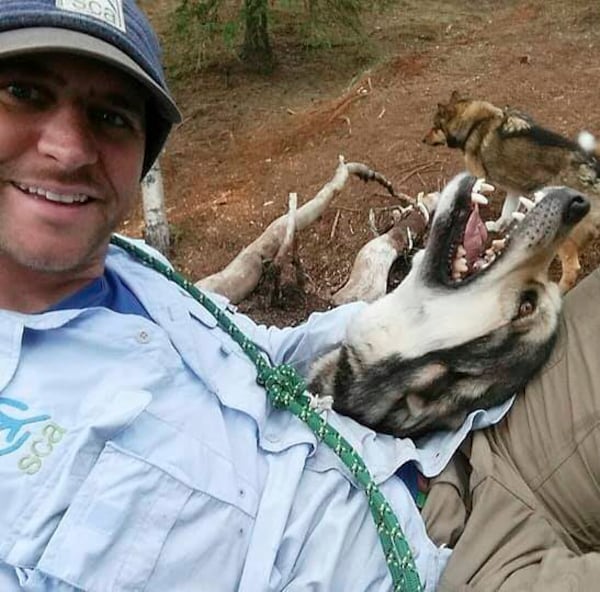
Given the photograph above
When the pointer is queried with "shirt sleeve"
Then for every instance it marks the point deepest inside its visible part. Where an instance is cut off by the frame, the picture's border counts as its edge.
(301, 345)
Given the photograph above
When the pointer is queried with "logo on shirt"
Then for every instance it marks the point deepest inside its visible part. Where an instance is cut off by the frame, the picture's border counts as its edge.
(20, 430)
(108, 11)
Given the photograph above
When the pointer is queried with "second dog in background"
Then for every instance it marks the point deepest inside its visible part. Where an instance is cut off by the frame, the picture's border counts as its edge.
(510, 150)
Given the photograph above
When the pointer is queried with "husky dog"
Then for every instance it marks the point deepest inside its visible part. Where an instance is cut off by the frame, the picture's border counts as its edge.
(507, 148)
(468, 326)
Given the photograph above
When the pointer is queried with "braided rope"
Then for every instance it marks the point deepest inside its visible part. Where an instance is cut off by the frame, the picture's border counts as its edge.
(287, 390)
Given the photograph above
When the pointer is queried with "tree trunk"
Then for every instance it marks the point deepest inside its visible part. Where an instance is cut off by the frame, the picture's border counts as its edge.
(156, 231)
(257, 51)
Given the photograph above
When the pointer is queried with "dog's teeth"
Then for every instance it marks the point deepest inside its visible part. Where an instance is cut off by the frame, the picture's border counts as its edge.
(518, 216)
(490, 257)
(491, 226)
(498, 244)
(460, 265)
(482, 187)
(478, 198)
(529, 205)
(538, 196)
(461, 251)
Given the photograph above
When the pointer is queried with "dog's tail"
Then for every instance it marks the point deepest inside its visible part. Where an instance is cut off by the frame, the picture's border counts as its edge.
(588, 143)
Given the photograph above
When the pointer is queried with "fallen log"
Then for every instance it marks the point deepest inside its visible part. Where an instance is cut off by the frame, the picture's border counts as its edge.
(368, 278)
(237, 280)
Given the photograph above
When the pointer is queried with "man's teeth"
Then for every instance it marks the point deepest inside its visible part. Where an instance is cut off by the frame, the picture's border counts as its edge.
(65, 198)
(52, 196)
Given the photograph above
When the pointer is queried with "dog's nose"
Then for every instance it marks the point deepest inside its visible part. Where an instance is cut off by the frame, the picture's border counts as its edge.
(577, 207)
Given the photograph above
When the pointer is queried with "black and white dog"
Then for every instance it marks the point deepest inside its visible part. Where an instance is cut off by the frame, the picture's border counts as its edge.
(468, 326)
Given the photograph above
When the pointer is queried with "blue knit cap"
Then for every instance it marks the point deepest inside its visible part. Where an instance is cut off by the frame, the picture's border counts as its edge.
(114, 31)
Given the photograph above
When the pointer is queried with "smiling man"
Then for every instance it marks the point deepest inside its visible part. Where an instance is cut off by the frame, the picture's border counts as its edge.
(73, 111)
(71, 157)
(138, 451)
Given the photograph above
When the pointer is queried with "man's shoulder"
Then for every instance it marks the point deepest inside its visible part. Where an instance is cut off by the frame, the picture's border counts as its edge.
(138, 243)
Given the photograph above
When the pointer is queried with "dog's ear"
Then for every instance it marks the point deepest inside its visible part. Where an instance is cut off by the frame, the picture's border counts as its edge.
(441, 107)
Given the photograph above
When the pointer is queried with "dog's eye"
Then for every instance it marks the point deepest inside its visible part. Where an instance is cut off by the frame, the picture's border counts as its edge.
(527, 304)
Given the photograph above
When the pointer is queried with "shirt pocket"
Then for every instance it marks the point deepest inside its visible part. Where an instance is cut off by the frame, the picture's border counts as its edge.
(113, 532)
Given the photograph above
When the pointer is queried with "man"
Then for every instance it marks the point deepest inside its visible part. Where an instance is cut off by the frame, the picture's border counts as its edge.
(137, 450)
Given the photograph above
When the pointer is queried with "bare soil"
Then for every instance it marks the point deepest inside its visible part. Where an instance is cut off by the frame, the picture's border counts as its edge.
(248, 140)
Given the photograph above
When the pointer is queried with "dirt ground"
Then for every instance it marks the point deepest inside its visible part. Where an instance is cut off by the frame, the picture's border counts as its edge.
(247, 141)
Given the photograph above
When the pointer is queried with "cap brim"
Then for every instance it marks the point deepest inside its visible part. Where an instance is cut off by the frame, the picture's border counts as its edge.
(39, 39)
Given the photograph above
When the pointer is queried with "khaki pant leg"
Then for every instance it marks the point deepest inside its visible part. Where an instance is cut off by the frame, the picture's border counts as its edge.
(533, 505)
(552, 435)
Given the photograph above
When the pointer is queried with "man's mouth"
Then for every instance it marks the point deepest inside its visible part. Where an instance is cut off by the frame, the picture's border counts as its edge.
(53, 196)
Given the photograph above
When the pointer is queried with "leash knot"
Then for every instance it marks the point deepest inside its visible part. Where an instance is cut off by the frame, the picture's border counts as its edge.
(284, 385)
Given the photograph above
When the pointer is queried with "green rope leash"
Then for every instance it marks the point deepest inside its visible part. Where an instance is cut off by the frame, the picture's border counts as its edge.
(286, 389)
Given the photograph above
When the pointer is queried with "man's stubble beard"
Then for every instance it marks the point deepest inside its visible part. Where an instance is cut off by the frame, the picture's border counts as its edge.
(60, 263)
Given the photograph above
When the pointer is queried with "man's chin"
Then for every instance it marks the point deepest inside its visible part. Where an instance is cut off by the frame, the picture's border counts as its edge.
(61, 260)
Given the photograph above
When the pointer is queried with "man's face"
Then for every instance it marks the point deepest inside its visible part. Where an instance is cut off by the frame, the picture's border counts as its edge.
(72, 137)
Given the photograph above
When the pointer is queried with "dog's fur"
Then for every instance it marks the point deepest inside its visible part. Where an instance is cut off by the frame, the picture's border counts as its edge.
(425, 355)
(510, 151)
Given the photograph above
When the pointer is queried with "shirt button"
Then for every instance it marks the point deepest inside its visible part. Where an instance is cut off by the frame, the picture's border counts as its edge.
(143, 337)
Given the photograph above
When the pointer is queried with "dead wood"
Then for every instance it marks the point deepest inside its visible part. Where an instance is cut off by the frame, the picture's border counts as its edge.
(242, 275)
(290, 229)
(368, 278)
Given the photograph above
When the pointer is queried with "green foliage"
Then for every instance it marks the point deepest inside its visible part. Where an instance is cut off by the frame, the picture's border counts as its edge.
(204, 32)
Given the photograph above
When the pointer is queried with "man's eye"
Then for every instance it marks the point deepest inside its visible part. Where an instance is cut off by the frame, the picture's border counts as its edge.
(24, 92)
(111, 118)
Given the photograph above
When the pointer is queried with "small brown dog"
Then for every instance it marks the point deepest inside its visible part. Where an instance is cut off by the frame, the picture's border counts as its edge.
(509, 150)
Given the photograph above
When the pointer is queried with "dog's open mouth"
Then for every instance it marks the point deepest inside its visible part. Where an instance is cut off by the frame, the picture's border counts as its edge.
(460, 249)
(470, 249)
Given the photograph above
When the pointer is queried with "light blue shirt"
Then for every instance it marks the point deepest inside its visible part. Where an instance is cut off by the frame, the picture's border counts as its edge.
(140, 455)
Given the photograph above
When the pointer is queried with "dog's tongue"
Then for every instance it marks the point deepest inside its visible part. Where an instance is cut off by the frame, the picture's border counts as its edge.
(475, 236)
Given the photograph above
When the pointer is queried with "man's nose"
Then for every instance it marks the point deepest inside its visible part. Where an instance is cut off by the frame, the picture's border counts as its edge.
(68, 138)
